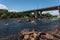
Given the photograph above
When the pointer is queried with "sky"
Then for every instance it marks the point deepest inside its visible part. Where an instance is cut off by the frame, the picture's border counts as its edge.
(24, 5)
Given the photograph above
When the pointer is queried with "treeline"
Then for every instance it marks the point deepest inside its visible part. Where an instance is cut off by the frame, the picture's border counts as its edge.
(5, 15)
(48, 15)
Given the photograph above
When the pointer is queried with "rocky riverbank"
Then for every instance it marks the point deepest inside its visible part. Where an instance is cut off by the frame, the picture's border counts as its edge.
(35, 35)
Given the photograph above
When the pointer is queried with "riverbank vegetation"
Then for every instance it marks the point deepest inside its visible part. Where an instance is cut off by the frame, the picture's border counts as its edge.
(48, 15)
(5, 15)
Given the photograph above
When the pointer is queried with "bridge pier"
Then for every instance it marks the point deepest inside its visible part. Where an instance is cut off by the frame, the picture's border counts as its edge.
(59, 12)
(38, 14)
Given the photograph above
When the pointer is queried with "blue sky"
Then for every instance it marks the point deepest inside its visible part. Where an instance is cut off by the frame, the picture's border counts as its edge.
(23, 5)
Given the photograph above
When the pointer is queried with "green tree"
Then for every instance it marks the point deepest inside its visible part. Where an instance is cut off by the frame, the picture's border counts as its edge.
(47, 15)
(4, 14)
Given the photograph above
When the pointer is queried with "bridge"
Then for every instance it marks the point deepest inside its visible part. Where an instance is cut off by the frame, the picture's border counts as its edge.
(39, 11)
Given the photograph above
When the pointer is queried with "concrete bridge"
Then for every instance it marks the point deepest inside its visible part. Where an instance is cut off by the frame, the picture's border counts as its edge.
(39, 11)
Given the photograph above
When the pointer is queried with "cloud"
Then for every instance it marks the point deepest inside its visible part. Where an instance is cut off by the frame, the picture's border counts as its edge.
(54, 12)
(13, 11)
(3, 6)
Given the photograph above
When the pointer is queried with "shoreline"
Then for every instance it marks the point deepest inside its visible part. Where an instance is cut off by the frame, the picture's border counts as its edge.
(34, 35)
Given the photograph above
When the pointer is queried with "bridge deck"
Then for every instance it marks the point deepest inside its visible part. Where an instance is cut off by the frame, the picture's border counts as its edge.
(44, 9)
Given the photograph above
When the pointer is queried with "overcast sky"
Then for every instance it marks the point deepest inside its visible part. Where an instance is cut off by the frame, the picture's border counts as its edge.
(23, 5)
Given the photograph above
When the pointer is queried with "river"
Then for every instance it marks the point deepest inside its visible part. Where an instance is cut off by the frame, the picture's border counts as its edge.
(11, 26)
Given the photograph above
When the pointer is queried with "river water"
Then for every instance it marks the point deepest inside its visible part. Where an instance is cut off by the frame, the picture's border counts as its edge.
(11, 26)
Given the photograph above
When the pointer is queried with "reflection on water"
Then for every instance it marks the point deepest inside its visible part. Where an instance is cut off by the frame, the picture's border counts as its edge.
(11, 26)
